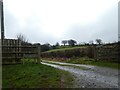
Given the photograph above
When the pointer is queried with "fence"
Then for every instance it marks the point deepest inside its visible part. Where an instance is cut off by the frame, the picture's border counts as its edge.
(107, 52)
(100, 52)
(13, 51)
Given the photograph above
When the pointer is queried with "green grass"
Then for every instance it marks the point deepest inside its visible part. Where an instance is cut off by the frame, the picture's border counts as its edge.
(89, 61)
(67, 48)
(106, 64)
(34, 76)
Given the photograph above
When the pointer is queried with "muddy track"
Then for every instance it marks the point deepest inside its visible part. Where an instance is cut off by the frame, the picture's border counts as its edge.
(87, 76)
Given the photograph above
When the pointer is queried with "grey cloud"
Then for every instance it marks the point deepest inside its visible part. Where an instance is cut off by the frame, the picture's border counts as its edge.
(32, 29)
(10, 25)
(106, 28)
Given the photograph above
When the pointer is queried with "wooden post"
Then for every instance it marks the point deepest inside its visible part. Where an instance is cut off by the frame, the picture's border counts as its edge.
(95, 53)
(1, 32)
(39, 54)
(20, 55)
(2, 21)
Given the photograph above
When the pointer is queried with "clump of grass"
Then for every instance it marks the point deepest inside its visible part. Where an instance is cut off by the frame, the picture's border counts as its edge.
(32, 75)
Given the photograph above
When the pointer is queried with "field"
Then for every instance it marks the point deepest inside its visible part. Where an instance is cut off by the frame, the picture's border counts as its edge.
(34, 76)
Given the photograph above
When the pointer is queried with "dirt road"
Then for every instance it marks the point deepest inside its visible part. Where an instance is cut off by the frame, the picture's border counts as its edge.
(87, 76)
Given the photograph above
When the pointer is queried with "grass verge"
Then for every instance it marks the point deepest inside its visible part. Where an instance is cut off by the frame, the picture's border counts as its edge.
(34, 76)
(80, 67)
(87, 61)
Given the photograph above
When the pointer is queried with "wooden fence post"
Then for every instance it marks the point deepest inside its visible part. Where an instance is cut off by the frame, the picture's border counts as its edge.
(95, 53)
(39, 54)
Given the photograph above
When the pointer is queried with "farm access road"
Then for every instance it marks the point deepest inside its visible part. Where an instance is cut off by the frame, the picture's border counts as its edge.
(87, 76)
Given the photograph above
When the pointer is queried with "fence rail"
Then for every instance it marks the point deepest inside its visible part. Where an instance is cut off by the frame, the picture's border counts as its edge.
(13, 51)
(109, 52)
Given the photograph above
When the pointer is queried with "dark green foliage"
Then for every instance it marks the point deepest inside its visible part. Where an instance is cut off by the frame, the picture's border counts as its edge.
(45, 47)
(57, 44)
(72, 42)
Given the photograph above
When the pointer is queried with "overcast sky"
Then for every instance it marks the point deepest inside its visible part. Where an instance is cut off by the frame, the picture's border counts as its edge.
(56, 20)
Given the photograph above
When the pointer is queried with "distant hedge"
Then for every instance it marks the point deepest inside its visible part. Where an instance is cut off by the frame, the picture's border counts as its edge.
(75, 52)
(102, 52)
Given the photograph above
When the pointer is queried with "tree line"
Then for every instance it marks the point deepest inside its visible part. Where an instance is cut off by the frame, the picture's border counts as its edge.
(65, 43)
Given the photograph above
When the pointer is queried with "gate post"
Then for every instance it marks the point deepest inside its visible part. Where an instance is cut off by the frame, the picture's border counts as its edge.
(95, 53)
(39, 54)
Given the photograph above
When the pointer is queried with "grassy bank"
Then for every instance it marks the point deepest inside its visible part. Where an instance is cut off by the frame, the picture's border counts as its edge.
(67, 48)
(69, 52)
(34, 76)
(87, 61)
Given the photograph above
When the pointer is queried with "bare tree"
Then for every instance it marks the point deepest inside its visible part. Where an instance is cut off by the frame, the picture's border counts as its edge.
(99, 41)
(72, 42)
(91, 42)
(22, 38)
(64, 42)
